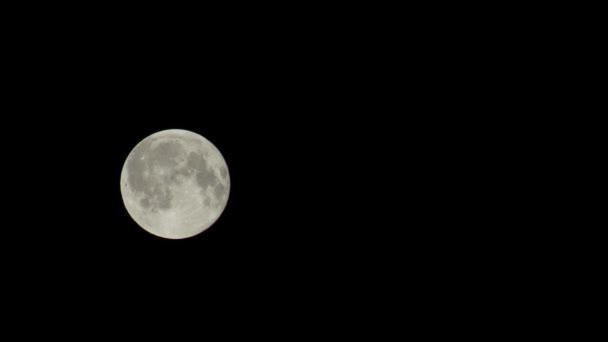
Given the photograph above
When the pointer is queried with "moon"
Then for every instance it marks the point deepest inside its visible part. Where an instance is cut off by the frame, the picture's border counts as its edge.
(175, 184)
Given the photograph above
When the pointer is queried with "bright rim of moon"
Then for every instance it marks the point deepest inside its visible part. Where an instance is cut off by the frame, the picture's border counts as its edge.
(175, 184)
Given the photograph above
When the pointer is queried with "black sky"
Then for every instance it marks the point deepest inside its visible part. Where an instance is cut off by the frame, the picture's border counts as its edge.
(301, 161)
(333, 189)
(380, 165)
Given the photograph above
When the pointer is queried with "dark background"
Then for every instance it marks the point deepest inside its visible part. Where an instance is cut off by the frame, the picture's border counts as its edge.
(362, 175)
(298, 119)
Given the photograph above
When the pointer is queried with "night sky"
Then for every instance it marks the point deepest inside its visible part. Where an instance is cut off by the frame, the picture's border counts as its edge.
(302, 207)
(308, 137)
(383, 164)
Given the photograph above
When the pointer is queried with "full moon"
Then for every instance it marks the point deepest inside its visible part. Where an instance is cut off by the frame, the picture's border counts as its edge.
(175, 184)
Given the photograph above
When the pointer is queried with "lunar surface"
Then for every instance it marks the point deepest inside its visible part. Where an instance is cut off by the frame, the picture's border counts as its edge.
(175, 184)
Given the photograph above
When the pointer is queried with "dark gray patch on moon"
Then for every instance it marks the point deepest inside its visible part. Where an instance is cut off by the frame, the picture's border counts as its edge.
(196, 161)
(205, 177)
(220, 191)
(223, 172)
(165, 153)
(207, 201)
(145, 203)
(174, 178)
(162, 197)
(157, 199)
